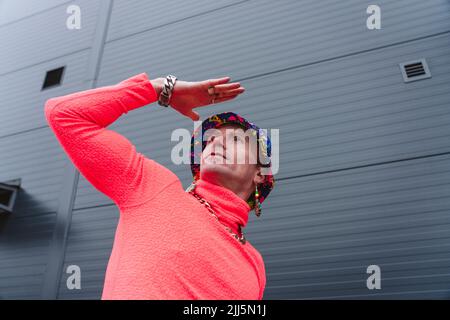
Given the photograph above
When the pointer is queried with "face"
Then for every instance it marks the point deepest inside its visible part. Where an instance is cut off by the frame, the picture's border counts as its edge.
(229, 160)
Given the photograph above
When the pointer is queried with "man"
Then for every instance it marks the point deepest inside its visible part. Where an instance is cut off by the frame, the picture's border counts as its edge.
(169, 243)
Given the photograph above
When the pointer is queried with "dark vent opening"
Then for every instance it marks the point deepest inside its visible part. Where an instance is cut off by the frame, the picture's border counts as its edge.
(5, 197)
(415, 70)
(8, 195)
(53, 78)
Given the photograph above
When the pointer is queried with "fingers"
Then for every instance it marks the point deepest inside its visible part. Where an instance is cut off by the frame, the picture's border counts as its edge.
(227, 90)
(232, 92)
(226, 87)
(223, 90)
(215, 82)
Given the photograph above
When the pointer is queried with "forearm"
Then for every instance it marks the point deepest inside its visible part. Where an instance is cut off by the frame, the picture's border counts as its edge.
(106, 158)
(104, 105)
(157, 85)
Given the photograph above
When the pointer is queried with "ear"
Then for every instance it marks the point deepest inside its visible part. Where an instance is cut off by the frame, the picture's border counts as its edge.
(258, 178)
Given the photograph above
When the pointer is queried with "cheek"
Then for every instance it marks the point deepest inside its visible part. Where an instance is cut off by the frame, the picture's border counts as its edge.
(240, 155)
(205, 152)
(244, 172)
(204, 162)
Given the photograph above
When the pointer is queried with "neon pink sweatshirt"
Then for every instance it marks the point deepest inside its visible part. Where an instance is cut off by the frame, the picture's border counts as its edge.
(167, 245)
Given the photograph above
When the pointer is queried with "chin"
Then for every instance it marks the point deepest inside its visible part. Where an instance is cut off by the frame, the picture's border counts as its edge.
(216, 172)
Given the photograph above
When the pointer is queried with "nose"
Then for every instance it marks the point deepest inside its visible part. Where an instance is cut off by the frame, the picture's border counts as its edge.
(218, 142)
(218, 146)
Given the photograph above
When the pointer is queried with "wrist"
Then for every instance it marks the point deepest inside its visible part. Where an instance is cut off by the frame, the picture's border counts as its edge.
(167, 86)
(157, 84)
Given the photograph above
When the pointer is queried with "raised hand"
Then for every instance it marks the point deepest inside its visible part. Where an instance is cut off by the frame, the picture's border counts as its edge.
(188, 95)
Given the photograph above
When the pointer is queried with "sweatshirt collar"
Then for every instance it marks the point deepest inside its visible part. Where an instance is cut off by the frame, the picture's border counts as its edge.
(229, 208)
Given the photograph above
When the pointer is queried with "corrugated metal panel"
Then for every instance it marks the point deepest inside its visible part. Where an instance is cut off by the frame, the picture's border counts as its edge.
(12, 11)
(320, 233)
(255, 37)
(134, 16)
(44, 36)
(35, 158)
(356, 111)
(89, 246)
(26, 233)
(23, 101)
(24, 242)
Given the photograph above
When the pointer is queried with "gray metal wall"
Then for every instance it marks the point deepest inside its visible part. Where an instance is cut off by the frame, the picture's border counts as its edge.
(364, 157)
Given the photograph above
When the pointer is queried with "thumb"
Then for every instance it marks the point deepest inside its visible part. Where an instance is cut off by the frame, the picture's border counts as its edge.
(193, 115)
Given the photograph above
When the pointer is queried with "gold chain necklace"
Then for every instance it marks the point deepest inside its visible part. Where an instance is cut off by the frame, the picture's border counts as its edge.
(211, 210)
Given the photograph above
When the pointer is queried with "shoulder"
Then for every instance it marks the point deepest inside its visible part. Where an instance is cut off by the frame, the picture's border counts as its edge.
(160, 170)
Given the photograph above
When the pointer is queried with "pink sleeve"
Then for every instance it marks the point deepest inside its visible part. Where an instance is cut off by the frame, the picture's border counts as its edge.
(105, 158)
(262, 277)
(263, 287)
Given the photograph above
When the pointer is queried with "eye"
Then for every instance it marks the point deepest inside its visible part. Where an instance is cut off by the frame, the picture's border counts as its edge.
(210, 139)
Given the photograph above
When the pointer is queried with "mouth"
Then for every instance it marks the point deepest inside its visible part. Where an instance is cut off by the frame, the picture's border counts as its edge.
(213, 154)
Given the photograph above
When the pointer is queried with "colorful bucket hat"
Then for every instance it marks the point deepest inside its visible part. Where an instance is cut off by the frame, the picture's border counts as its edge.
(264, 144)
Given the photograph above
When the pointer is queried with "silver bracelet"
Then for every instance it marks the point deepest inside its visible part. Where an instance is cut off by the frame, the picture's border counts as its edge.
(166, 92)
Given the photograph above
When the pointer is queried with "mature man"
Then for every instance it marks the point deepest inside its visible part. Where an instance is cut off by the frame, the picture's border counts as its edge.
(170, 243)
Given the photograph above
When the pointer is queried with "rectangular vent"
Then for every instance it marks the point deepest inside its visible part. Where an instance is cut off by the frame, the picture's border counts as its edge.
(415, 70)
(8, 194)
(53, 78)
